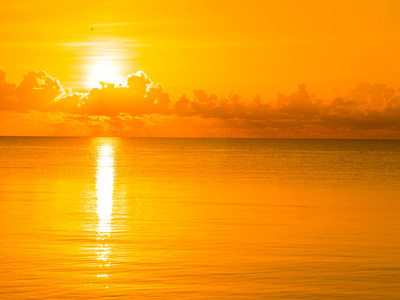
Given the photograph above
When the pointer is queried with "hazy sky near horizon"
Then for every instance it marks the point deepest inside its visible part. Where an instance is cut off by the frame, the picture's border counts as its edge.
(254, 56)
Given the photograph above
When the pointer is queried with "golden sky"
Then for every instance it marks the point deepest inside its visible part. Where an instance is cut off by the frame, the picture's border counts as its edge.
(205, 68)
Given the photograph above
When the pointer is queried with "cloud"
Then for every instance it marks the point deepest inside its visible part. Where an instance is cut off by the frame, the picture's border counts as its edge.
(37, 91)
(7, 93)
(141, 108)
(138, 97)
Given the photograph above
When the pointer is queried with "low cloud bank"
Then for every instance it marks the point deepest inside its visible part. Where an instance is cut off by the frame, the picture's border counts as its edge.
(40, 105)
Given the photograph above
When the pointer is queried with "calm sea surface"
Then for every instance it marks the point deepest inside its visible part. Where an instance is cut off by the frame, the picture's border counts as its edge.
(199, 218)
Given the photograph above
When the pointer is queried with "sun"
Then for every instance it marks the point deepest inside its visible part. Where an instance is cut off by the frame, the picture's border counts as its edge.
(104, 69)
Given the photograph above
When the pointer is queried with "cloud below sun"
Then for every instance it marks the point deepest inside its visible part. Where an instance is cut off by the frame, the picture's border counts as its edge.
(40, 105)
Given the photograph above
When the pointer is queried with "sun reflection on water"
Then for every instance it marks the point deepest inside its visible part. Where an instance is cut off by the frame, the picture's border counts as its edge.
(104, 192)
(105, 188)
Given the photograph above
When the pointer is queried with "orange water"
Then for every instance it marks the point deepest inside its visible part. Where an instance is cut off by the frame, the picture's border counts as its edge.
(199, 219)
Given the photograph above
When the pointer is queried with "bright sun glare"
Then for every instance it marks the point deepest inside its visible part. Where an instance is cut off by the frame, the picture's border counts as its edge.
(104, 70)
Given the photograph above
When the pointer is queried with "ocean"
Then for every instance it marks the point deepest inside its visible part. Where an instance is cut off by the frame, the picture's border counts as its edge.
(171, 218)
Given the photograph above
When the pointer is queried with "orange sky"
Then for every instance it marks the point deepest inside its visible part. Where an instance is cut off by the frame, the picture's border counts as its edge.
(245, 53)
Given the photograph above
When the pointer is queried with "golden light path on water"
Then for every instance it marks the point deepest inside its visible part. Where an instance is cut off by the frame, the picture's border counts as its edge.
(104, 193)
